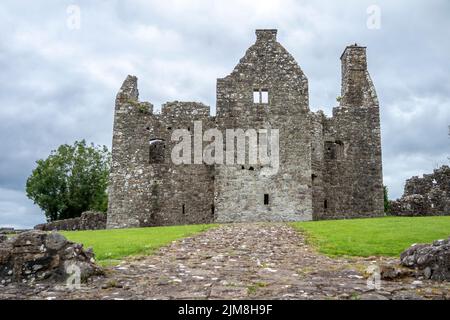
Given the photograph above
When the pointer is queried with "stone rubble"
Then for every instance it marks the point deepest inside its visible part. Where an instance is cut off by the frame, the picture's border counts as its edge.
(433, 260)
(425, 196)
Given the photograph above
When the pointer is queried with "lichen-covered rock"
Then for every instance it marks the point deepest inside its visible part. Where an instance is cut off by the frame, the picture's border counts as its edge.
(37, 255)
(433, 260)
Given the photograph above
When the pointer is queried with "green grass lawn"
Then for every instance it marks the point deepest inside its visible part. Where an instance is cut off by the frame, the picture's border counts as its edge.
(110, 246)
(387, 236)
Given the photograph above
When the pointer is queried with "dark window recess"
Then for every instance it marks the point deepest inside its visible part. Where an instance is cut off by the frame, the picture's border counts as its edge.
(157, 151)
(339, 145)
(183, 208)
(325, 204)
(330, 150)
(313, 177)
(266, 199)
(251, 169)
(212, 210)
(334, 150)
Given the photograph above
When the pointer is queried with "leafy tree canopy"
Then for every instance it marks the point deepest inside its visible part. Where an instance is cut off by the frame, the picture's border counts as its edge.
(386, 199)
(71, 180)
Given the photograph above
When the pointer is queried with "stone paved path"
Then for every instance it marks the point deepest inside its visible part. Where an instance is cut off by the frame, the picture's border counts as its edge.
(239, 261)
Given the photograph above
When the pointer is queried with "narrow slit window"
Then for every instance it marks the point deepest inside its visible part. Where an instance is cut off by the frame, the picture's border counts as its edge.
(256, 96)
(325, 204)
(264, 96)
(183, 208)
(266, 199)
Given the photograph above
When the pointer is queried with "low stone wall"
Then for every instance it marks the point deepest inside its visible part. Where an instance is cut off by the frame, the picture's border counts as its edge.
(92, 220)
(89, 220)
(426, 196)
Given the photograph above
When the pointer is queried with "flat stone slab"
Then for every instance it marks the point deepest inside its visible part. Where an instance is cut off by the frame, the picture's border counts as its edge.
(240, 261)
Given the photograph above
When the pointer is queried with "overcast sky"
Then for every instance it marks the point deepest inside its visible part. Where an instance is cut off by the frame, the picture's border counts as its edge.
(58, 82)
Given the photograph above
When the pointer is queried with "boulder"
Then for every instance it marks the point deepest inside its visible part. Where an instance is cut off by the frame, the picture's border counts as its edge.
(433, 260)
(37, 255)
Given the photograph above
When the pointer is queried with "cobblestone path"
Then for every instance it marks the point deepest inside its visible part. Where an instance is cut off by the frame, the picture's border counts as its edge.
(239, 261)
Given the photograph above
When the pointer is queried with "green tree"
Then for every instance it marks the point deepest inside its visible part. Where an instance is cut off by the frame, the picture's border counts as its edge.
(386, 199)
(71, 180)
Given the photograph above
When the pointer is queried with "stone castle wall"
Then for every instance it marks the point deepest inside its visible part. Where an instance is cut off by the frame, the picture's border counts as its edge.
(240, 192)
(328, 167)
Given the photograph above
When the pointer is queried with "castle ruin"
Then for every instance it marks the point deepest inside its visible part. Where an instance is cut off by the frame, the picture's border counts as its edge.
(329, 167)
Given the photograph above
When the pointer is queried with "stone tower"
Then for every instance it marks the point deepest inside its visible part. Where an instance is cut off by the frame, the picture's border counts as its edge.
(348, 166)
(327, 167)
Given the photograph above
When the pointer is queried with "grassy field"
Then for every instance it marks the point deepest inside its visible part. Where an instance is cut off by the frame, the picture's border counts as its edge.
(387, 236)
(110, 246)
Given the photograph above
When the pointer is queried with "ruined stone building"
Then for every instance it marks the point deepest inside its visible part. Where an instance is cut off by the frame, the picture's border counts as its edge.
(425, 196)
(329, 167)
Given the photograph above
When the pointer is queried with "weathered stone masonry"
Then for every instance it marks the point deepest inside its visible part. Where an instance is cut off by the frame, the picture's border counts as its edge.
(425, 196)
(329, 167)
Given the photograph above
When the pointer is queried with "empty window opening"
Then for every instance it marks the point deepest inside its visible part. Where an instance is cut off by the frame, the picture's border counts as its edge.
(157, 151)
(330, 153)
(169, 128)
(242, 167)
(212, 210)
(325, 204)
(264, 96)
(339, 149)
(251, 169)
(266, 198)
(313, 177)
(260, 96)
(183, 209)
(255, 96)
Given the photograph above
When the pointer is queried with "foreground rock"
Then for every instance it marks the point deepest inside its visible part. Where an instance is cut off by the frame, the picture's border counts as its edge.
(432, 259)
(36, 255)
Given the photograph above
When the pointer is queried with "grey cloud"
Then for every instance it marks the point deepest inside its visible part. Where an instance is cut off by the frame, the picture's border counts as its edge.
(59, 85)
